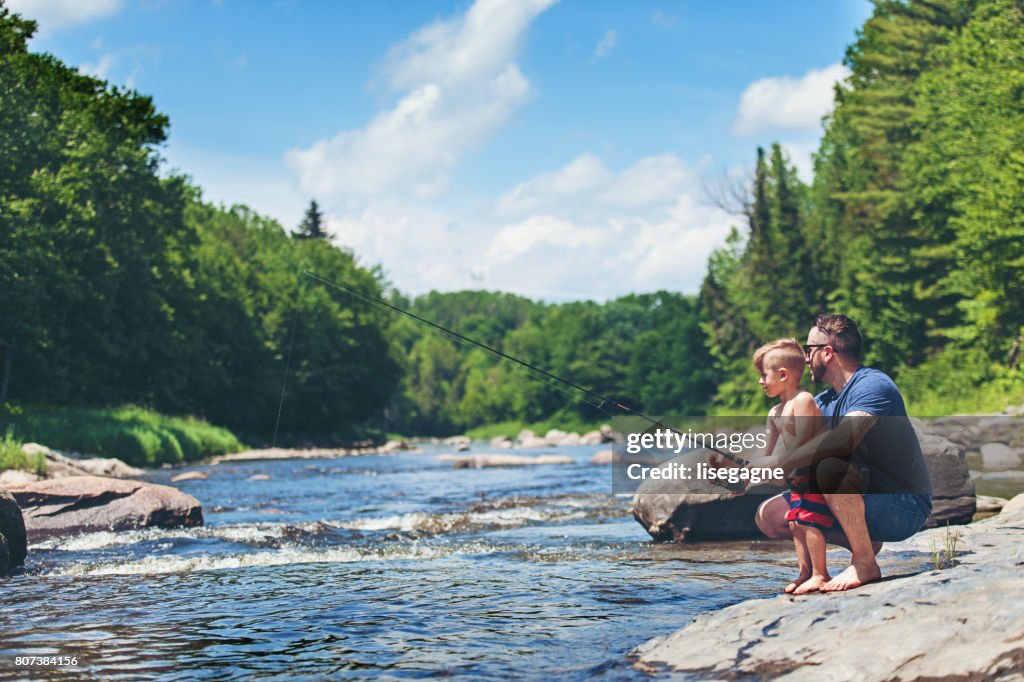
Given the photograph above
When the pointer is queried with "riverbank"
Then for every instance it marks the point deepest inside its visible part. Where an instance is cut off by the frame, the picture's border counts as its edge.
(956, 623)
(136, 436)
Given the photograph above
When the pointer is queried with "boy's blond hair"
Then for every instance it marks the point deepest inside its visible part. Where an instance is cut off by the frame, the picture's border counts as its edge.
(786, 353)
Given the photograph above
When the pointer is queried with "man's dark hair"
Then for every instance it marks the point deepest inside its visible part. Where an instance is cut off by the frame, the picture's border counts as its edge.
(843, 335)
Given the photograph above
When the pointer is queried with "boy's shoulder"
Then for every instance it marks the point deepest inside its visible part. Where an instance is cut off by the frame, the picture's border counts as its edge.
(803, 403)
(803, 397)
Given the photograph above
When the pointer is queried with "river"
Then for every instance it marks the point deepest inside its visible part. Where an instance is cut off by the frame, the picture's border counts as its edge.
(384, 565)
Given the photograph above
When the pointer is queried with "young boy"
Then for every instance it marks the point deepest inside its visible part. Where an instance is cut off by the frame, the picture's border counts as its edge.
(796, 419)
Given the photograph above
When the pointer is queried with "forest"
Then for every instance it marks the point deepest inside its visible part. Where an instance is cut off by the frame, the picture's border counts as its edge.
(121, 285)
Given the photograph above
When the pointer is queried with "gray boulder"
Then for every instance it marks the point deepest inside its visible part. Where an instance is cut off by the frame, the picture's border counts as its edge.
(958, 623)
(669, 515)
(12, 534)
(77, 504)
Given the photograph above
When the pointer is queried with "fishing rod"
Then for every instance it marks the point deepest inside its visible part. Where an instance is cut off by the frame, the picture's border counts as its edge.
(602, 400)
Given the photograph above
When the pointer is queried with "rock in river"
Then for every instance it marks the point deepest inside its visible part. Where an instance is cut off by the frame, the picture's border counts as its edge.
(482, 461)
(78, 504)
(12, 534)
(668, 515)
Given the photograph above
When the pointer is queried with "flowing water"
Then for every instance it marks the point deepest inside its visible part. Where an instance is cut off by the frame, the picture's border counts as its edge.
(393, 566)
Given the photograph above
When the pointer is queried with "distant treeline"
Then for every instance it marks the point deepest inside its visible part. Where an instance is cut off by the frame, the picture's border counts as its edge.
(646, 351)
(119, 285)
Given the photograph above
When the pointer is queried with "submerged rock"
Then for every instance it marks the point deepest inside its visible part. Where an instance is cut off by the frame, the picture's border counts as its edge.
(998, 455)
(76, 504)
(955, 623)
(188, 476)
(482, 461)
(668, 515)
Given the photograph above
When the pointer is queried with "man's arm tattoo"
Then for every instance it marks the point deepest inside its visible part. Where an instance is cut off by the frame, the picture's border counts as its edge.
(861, 423)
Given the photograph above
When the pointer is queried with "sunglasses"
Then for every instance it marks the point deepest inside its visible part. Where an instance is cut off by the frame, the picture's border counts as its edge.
(808, 347)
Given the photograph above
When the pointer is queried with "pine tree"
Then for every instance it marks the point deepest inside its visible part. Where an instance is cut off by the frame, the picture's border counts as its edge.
(312, 223)
(890, 261)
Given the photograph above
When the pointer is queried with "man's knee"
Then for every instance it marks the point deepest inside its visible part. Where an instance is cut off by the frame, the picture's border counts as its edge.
(839, 476)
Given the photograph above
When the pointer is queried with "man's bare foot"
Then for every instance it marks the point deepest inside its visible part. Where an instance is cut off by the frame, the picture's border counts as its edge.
(812, 584)
(854, 575)
(800, 580)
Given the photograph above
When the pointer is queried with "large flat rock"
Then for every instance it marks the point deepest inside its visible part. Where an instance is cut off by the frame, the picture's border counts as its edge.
(76, 504)
(961, 622)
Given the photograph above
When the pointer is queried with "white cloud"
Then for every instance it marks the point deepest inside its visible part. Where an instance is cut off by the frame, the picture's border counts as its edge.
(458, 83)
(580, 231)
(800, 155)
(540, 232)
(578, 178)
(101, 69)
(607, 43)
(229, 179)
(584, 230)
(585, 183)
(788, 103)
(420, 247)
(54, 15)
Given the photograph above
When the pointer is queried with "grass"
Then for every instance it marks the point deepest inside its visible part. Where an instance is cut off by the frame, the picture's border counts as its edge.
(945, 556)
(11, 456)
(992, 397)
(960, 382)
(132, 434)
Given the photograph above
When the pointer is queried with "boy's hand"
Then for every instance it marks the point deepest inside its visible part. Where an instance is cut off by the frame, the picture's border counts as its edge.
(717, 461)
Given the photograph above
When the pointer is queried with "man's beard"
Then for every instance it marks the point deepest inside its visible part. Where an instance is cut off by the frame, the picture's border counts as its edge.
(817, 373)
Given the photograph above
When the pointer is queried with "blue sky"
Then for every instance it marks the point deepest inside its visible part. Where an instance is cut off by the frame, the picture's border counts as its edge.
(556, 149)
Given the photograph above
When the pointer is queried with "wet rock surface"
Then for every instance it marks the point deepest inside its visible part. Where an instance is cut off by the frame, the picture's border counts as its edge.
(76, 504)
(13, 542)
(960, 622)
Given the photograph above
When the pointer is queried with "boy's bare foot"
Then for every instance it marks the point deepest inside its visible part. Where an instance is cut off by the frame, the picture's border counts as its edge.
(812, 584)
(854, 575)
(800, 580)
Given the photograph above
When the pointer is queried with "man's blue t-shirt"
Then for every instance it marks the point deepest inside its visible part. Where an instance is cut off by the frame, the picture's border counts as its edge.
(890, 451)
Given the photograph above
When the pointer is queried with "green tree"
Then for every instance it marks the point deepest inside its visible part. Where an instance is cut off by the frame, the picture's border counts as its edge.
(889, 261)
(966, 176)
(94, 245)
(312, 225)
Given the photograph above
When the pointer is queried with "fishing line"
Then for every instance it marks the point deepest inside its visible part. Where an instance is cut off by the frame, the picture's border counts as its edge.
(287, 365)
(540, 373)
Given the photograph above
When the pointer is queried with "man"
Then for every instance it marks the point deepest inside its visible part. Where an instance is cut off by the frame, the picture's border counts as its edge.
(869, 461)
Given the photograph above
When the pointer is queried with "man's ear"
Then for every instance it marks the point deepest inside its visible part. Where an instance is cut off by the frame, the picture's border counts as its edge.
(783, 373)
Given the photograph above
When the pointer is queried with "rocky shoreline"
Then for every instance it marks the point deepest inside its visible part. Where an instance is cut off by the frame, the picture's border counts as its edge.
(80, 495)
(959, 623)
